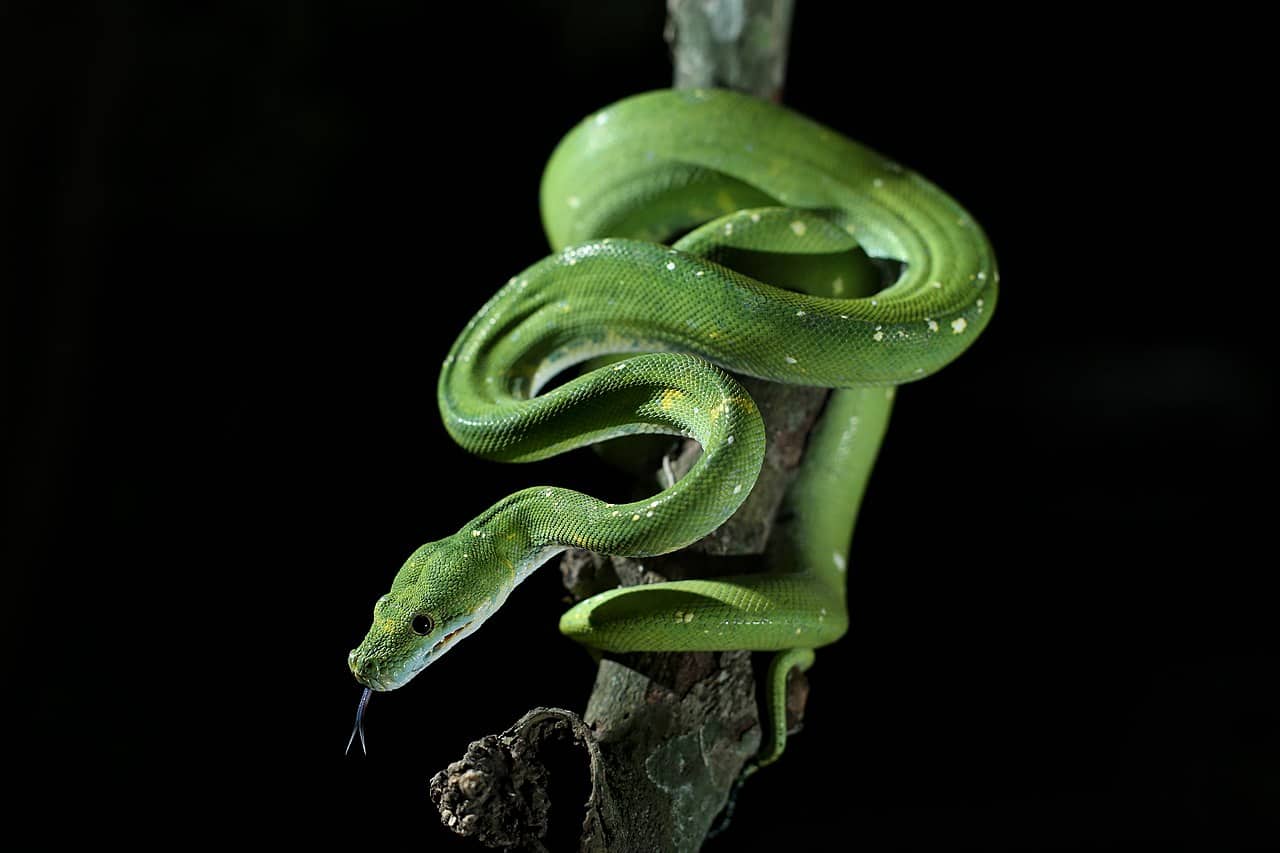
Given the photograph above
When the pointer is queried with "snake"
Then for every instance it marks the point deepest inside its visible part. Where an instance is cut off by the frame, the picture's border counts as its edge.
(696, 234)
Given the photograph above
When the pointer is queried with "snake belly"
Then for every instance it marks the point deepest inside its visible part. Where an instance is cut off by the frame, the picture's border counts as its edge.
(742, 179)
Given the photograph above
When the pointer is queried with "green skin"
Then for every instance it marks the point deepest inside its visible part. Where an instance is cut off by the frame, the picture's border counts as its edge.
(776, 197)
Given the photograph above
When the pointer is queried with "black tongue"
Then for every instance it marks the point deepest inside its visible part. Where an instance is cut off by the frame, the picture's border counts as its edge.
(359, 726)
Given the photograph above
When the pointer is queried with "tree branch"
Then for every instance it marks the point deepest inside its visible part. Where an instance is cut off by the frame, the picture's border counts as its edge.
(730, 44)
(666, 735)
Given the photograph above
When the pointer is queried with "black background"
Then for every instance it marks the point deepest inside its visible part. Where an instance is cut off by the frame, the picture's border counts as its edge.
(241, 240)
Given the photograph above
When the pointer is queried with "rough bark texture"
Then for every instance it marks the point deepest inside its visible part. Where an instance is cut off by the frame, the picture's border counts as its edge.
(731, 44)
(500, 795)
(665, 736)
(676, 730)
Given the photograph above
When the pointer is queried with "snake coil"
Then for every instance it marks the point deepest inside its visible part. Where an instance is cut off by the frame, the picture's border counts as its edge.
(790, 231)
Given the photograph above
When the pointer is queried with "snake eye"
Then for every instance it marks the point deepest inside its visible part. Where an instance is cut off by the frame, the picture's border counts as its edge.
(422, 624)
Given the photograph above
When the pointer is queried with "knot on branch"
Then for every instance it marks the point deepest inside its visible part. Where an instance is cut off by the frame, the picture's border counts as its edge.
(499, 793)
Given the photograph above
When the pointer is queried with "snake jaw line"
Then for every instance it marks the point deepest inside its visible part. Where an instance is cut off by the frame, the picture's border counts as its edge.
(448, 638)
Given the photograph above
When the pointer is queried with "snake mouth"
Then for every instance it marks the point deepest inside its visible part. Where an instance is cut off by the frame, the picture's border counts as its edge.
(450, 637)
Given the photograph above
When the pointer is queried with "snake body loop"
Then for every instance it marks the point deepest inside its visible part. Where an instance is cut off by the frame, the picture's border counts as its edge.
(790, 232)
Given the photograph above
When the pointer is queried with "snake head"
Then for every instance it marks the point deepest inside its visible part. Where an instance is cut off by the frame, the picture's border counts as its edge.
(444, 591)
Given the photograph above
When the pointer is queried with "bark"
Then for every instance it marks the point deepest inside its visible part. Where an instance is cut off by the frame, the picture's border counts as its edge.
(665, 737)
(731, 44)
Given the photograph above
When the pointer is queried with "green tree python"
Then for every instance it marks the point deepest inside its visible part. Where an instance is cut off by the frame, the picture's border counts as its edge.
(806, 258)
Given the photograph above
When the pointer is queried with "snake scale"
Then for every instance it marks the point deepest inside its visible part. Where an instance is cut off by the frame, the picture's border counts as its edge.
(805, 258)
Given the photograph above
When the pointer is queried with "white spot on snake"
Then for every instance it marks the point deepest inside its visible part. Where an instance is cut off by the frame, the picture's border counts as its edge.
(524, 282)
(875, 302)
(937, 285)
(837, 286)
(919, 370)
(546, 493)
(729, 440)
(838, 559)
(475, 533)
(574, 201)
(799, 228)
(728, 228)
(799, 313)
(878, 336)
(755, 217)
(933, 324)
(798, 630)
(790, 360)
(878, 182)
(980, 304)
(602, 118)
(844, 316)
(982, 276)
(700, 273)
(620, 365)
(679, 615)
(616, 512)
(688, 617)
(655, 503)
(671, 265)
(635, 517)
(737, 488)
(649, 514)
(958, 325)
